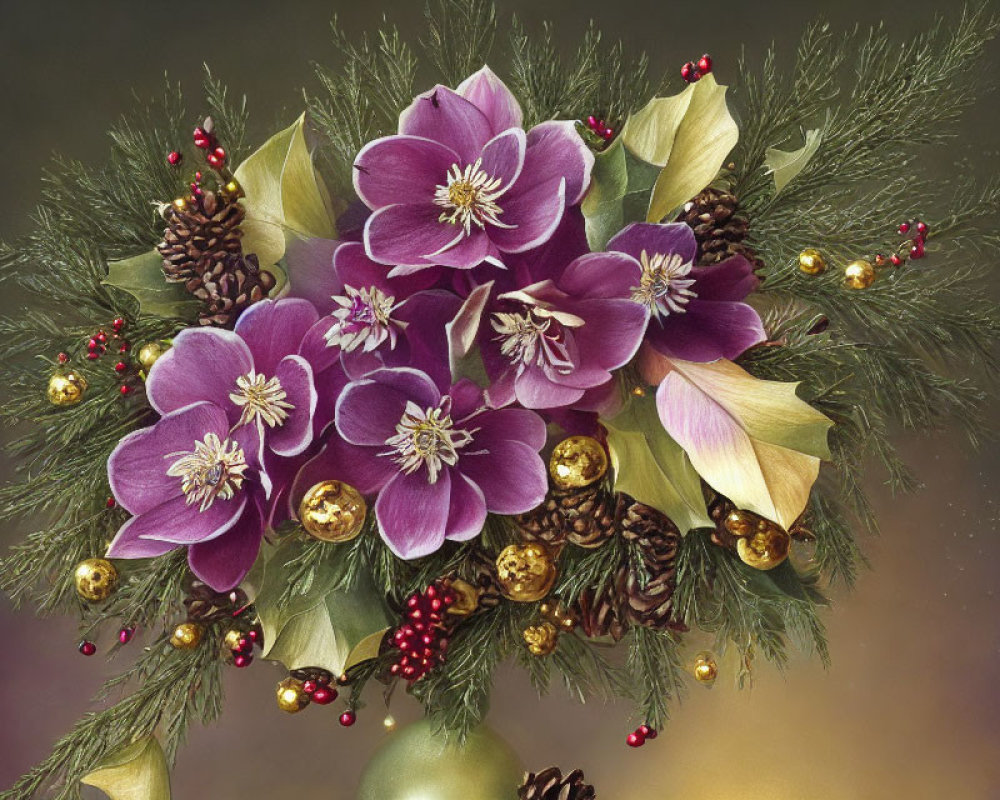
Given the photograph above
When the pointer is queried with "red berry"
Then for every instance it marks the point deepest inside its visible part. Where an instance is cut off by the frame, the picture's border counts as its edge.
(123, 348)
(242, 660)
(309, 686)
(118, 324)
(896, 259)
(705, 64)
(109, 503)
(609, 134)
(253, 635)
(124, 390)
(102, 337)
(689, 72)
(63, 358)
(92, 344)
(87, 648)
(125, 635)
(917, 251)
(324, 695)
(121, 366)
(202, 138)
(904, 227)
(647, 732)
(348, 718)
(93, 355)
(635, 739)
(174, 158)
(922, 228)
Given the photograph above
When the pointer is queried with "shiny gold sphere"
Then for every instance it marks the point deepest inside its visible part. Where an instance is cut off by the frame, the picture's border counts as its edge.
(764, 549)
(526, 572)
(740, 523)
(541, 639)
(811, 261)
(187, 636)
(466, 598)
(96, 579)
(233, 188)
(389, 723)
(180, 203)
(859, 274)
(333, 511)
(705, 668)
(577, 462)
(232, 638)
(291, 696)
(66, 388)
(558, 616)
(150, 353)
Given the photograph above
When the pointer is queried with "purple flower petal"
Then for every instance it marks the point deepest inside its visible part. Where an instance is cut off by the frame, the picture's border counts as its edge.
(354, 268)
(467, 399)
(272, 328)
(446, 117)
(137, 467)
(311, 275)
(556, 150)
(361, 467)
(708, 331)
(503, 157)
(673, 237)
(534, 212)
(401, 169)
(466, 509)
(468, 252)
(405, 234)
(601, 275)
(426, 314)
(315, 349)
(412, 514)
(368, 410)
(512, 476)
(513, 424)
(732, 279)
(549, 260)
(203, 364)
(295, 435)
(613, 331)
(534, 390)
(491, 96)
(127, 543)
(182, 523)
(222, 563)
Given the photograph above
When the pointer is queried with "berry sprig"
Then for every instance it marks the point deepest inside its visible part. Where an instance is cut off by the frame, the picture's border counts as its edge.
(639, 736)
(914, 234)
(600, 128)
(205, 139)
(692, 71)
(240, 644)
(422, 639)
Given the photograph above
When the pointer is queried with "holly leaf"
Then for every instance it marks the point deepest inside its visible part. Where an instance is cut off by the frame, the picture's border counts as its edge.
(651, 467)
(322, 627)
(137, 772)
(689, 136)
(785, 165)
(142, 277)
(602, 207)
(285, 196)
(754, 441)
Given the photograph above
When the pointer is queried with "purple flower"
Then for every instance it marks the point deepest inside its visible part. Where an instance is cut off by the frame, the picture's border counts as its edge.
(696, 313)
(463, 183)
(253, 373)
(439, 462)
(187, 482)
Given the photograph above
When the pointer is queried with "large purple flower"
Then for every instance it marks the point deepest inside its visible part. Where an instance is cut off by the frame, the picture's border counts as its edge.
(253, 373)
(187, 482)
(439, 462)
(462, 182)
(696, 313)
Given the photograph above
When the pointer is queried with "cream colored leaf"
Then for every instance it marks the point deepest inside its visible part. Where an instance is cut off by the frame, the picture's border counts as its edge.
(785, 165)
(137, 772)
(689, 135)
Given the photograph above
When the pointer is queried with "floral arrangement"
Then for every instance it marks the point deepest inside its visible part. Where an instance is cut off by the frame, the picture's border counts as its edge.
(519, 365)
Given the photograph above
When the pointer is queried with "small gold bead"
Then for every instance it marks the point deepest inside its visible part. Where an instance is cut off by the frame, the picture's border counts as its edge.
(150, 353)
(811, 261)
(96, 579)
(66, 388)
(577, 462)
(541, 639)
(180, 204)
(291, 696)
(233, 188)
(739, 522)
(859, 274)
(389, 723)
(638, 391)
(232, 639)
(187, 636)
(705, 668)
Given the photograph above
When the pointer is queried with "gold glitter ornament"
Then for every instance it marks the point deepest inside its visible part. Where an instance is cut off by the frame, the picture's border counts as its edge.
(526, 572)
(66, 388)
(558, 616)
(766, 548)
(577, 462)
(232, 639)
(333, 511)
(859, 274)
(96, 579)
(541, 639)
(291, 695)
(150, 353)
(187, 636)
(811, 261)
(705, 668)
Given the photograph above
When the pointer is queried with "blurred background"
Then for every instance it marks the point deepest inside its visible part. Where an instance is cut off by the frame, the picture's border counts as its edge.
(910, 707)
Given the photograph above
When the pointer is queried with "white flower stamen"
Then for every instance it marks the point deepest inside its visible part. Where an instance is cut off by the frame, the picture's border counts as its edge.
(363, 319)
(426, 436)
(262, 399)
(664, 286)
(214, 469)
(469, 197)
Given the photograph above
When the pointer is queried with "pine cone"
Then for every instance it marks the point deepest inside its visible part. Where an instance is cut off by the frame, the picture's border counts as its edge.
(202, 249)
(585, 517)
(482, 573)
(550, 784)
(600, 610)
(205, 605)
(719, 226)
(649, 585)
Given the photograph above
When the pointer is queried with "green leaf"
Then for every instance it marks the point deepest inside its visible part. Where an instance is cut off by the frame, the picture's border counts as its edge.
(651, 467)
(137, 772)
(602, 207)
(284, 195)
(689, 135)
(142, 277)
(785, 165)
(320, 627)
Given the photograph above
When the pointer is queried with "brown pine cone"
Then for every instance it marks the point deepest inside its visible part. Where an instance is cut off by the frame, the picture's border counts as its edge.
(549, 784)
(600, 610)
(229, 287)
(585, 517)
(649, 586)
(719, 226)
(206, 605)
(481, 572)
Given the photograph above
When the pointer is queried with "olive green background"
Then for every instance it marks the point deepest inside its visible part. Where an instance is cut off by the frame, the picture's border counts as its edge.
(910, 707)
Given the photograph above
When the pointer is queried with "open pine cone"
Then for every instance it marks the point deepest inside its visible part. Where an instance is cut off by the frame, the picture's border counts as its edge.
(550, 784)
(649, 587)
(719, 226)
(585, 517)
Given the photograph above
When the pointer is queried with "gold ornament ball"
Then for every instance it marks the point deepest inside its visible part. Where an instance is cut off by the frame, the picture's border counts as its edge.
(66, 388)
(150, 353)
(96, 579)
(859, 274)
(811, 261)
(541, 639)
(577, 462)
(766, 548)
(526, 572)
(291, 696)
(187, 636)
(740, 523)
(333, 511)
(232, 638)
(705, 668)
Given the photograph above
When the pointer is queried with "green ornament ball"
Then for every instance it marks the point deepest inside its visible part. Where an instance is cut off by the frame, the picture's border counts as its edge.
(417, 763)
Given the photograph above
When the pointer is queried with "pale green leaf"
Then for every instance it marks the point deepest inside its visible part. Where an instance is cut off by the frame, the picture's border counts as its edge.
(602, 207)
(137, 772)
(651, 467)
(142, 277)
(785, 165)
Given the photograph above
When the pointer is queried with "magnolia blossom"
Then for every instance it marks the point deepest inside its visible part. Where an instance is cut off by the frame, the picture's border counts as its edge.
(463, 183)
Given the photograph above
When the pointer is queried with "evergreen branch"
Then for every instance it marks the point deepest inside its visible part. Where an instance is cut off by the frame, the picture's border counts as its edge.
(460, 36)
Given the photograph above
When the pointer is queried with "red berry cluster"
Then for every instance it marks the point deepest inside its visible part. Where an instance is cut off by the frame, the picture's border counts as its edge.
(422, 639)
(316, 684)
(600, 127)
(639, 736)
(97, 346)
(243, 652)
(692, 71)
(125, 635)
(205, 139)
(914, 232)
